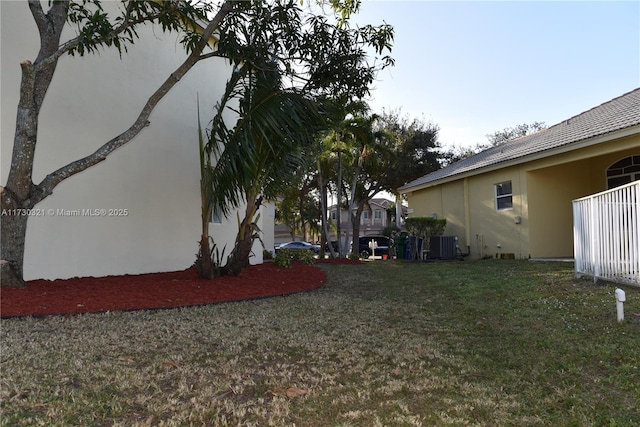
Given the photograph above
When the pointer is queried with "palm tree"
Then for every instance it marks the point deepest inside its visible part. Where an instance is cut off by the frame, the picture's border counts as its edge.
(264, 41)
(370, 175)
(341, 146)
(205, 264)
(274, 129)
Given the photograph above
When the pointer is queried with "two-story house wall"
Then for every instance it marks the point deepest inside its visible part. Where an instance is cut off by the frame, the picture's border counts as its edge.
(154, 180)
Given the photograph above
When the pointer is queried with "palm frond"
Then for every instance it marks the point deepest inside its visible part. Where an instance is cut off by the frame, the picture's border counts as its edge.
(268, 142)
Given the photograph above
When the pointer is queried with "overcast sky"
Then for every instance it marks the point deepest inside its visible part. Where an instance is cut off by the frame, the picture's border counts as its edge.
(475, 67)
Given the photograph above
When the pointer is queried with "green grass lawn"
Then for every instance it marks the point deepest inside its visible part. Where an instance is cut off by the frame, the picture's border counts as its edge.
(484, 343)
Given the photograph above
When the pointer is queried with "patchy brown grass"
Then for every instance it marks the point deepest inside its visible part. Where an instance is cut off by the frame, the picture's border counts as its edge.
(382, 344)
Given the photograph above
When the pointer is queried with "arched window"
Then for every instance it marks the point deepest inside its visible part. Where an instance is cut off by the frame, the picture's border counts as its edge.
(623, 171)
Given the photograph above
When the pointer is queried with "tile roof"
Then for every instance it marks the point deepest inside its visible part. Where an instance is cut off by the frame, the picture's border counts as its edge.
(381, 201)
(619, 113)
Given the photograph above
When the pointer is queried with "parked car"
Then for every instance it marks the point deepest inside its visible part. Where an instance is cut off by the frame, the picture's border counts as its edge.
(300, 246)
(365, 250)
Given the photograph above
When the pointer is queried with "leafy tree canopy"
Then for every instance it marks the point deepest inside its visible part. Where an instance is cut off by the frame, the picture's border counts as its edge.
(416, 146)
(511, 133)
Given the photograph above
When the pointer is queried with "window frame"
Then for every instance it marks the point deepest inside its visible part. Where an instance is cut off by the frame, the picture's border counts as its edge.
(623, 171)
(500, 196)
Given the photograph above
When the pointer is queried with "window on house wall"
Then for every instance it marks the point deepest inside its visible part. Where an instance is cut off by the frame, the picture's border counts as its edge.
(623, 172)
(334, 215)
(504, 196)
(377, 214)
(365, 214)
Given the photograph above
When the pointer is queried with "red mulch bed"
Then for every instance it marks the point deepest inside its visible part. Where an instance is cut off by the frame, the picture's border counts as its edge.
(156, 290)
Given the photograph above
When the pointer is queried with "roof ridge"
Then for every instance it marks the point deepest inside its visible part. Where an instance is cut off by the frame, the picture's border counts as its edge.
(567, 121)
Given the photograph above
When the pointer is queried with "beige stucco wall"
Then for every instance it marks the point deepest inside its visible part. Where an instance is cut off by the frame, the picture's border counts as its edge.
(155, 177)
(551, 191)
(543, 191)
(455, 209)
(469, 208)
(553, 185)
(426, 202)
(492, 231)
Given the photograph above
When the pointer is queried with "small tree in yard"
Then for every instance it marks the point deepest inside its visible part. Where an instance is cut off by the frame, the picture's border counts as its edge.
(424, 228)
(266, 144)
(297, 206)
(205, 264)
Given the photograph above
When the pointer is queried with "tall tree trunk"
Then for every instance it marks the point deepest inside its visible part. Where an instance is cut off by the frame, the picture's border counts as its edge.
(239, 258)
(19, 194)
(323, 207)
(247, 234)
(341, 249)
(303, 193)
(13, 235)
(204, 262)
(323, 244)
(205, 265)
(398, 211)
(355, 222)
(351, 203)
(346, 248)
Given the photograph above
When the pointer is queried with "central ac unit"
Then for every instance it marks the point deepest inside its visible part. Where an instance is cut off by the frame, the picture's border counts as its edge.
(443, 247)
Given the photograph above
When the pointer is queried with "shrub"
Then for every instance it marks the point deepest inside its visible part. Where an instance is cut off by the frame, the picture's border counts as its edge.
(283, 258)
(304, 256)
(425, 226)
(389, 229)
(354, 256)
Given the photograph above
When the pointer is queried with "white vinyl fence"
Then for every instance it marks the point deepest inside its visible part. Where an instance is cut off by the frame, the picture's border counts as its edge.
(606, 235)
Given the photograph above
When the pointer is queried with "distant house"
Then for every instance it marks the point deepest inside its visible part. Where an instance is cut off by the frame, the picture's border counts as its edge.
(154, 178)
(516, 198)
(376, 215)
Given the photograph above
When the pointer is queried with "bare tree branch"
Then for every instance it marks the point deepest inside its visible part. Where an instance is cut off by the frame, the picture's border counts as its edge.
(47, 185)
